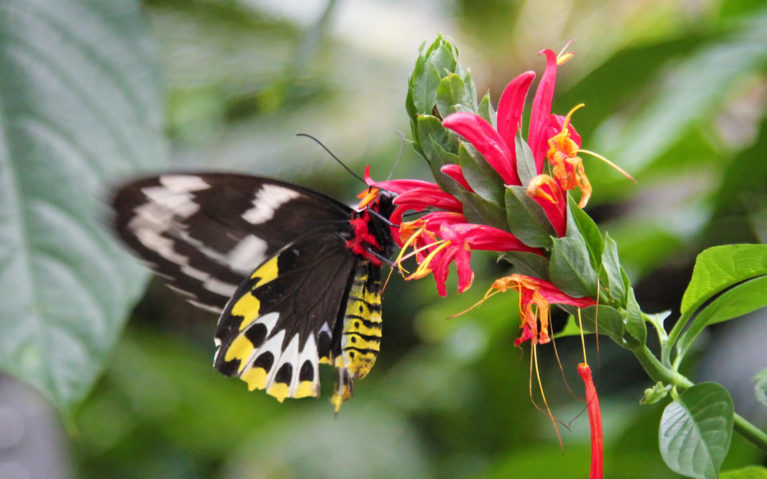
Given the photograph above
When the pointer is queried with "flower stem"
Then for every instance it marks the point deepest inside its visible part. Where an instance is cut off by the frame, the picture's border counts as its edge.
(658, 372)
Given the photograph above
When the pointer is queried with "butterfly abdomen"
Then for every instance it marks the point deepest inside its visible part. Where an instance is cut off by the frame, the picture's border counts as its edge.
(361, 334)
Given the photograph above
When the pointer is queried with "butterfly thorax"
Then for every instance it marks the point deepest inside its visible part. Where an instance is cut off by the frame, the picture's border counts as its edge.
(372, 237)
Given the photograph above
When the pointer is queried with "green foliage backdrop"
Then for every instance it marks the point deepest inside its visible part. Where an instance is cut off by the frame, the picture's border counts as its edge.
(92, 93)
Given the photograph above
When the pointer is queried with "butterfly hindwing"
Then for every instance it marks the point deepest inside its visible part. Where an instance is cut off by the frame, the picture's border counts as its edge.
(282, 321)
(205, 233)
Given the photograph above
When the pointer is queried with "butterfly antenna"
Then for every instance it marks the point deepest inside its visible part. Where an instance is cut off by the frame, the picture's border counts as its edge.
(399, 157)
(332, 156)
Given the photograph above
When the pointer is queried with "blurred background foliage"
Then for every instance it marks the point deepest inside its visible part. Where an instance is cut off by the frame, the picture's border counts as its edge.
(675, 92)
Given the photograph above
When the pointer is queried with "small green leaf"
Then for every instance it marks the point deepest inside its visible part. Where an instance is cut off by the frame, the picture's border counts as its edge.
(478, 210)
(695, 431)
(485, 109)
(577, 218)
(760, 386)
(656, 393)
(529, 264)
(482, 178)
(450, 95)
(570, 267)
(733, 303)
(719, 267)
(612, 268)
(525, 161)
(604, 319)
(526, 218)
(635, 324)
(749, 472)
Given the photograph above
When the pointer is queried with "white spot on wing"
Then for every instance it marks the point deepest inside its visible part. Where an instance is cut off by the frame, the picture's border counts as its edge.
(219, 287)
(249, 253)
(183, 183)
(268, 198)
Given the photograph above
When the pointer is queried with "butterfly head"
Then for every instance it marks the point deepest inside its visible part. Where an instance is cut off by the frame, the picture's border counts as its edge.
(372, 237)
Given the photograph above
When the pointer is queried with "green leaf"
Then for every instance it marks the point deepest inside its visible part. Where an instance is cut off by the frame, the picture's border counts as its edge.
(478, 210)
(760, 386)
(525, 161)
(733, 303)
(529, 264)
(613, 272)
(635, 324)
(81, 105)
(451, 95)
(486, 110)
(482, 178)
(695, 431)
(722, 266)
(570, 267)
(749, 472)
(577, 218)
(604, 319)
(526, 218)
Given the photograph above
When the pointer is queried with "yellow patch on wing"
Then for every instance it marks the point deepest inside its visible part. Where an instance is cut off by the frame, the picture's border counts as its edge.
(248, 306)
(241, 348)
(279, 391)
(305, 389)
(255, 377)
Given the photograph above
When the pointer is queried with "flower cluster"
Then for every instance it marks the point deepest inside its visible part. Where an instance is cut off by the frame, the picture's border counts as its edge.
(443, 235)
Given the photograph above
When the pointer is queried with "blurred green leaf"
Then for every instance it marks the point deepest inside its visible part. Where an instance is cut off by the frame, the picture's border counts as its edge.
(81, 105)
(719, 267)
(525, 162)
(570, 267)
(695, 431)
(696, 86)
(478, 210)
(739, 300)
(750, 472)
(760, 386)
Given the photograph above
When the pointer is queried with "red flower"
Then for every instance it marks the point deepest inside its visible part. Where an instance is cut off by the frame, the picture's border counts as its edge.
(440, 238)
(595, 421)
(535, 295)
(550, 137)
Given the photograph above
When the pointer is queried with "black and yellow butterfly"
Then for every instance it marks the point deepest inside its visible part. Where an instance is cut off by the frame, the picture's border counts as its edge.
(294, 274)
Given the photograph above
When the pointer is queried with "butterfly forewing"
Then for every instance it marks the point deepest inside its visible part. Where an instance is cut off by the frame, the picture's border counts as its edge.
(205, 233)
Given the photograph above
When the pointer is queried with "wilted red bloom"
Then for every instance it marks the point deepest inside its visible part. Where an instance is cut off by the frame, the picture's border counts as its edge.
(535, 296)
(595, 421)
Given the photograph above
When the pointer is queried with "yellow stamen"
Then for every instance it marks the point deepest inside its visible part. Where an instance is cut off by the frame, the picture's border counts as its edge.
(562, 56)
(610, 163)
(367, 197)
(424, 268)
(543, 396)
(583, 341)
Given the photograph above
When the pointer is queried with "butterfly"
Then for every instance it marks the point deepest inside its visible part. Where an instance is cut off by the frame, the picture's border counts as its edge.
(295, 275)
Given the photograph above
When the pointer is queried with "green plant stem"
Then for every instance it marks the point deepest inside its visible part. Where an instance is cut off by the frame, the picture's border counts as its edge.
(658, 372)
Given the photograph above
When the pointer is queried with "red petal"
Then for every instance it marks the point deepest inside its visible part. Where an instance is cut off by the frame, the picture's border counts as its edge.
(454, 172)
(595, 421)
(539, 117)
(487, 141)
(511, 104)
